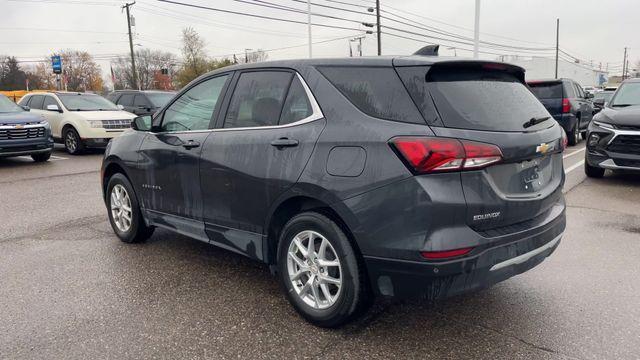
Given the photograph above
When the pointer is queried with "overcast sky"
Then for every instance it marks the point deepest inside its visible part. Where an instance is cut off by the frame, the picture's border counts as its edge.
(589, 29)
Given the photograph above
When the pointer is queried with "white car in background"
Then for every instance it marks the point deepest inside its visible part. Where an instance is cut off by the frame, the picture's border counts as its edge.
(79, 120)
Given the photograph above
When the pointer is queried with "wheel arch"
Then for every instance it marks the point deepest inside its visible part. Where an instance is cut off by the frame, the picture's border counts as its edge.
(298, 201)
(110, 167)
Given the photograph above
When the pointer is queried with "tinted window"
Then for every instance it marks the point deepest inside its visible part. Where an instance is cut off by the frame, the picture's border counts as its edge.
(193, 109)
(547, 90)
(376, 91)
(480, 99)
(296, 106)
(49, 100)
(126, 100)
(36, 102)
(140, 100)
(258, 99)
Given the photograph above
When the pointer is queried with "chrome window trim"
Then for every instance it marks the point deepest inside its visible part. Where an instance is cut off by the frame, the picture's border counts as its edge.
(315, 115)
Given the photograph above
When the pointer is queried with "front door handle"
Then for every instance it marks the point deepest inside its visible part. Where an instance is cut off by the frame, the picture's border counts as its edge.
(284, 142)
(190, 144)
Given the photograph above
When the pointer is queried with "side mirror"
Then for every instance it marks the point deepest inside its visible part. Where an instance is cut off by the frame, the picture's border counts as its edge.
(141, 123)
(53, 107)
(588, 95)
(598, 102)
(25, 108)
(120, 107)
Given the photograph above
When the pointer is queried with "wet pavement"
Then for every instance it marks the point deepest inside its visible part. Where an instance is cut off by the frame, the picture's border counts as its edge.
(70, 289)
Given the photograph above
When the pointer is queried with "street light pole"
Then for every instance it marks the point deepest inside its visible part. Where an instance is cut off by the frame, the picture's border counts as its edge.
(309, 27)
(133, 58)
(378, 27)
(557, 44)
(476, 32)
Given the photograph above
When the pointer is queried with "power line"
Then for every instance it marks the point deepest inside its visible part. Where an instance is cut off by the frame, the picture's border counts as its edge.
(255, 15)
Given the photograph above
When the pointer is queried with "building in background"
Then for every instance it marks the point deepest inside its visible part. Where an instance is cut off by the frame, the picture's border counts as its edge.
(544, 68)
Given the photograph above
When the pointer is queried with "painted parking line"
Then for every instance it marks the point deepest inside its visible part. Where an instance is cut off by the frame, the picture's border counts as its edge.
(573, 153)
(574, 166)
(54, 158)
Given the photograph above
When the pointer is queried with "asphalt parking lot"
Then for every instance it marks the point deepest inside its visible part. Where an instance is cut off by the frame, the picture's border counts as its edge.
(70, 289)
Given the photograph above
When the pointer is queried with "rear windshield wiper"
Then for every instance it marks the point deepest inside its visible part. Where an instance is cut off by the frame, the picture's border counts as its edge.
(535, 121)
(621, 105)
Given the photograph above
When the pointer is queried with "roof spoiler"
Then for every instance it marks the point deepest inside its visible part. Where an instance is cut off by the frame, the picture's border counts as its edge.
(429, 50)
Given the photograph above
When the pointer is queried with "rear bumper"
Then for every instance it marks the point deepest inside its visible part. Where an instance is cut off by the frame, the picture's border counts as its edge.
(440, 280)
(567, 121)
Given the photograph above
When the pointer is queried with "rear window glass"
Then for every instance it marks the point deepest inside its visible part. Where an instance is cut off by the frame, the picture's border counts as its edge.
(547, 90)
(481, 99)
(376, 91)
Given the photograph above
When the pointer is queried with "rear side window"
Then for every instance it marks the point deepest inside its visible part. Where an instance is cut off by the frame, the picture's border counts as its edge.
(547, 90)
(376, 91)
(296, 106)
(126, 100)
(478, 98)
(258, 99)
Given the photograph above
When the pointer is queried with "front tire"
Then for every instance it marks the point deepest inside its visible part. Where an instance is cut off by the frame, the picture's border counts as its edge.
(41, 157)
(593, 171)
(72, 141)
(124, 211)
(320, 272)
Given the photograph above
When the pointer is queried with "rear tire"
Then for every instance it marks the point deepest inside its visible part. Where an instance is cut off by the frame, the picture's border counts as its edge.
(41, 157)
(574, 136)
(72, 141)
(310, 286)
(124, 211)
(593, 171)
(584, 135)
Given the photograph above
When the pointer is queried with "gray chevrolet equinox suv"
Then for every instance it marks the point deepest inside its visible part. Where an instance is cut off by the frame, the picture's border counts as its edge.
(397, 176)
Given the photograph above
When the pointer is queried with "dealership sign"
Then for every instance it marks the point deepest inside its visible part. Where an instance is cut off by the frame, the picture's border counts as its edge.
(56, 64)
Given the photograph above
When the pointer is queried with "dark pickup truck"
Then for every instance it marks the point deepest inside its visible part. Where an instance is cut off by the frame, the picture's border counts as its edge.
(23, 133)
(567, 102)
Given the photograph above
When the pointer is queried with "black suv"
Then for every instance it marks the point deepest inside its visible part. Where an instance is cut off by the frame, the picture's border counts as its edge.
(613, 140)
(140, 102)
(568, 104)
(407, 176)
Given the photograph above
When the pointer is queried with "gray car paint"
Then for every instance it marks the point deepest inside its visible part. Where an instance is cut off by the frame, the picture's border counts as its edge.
(391, 213)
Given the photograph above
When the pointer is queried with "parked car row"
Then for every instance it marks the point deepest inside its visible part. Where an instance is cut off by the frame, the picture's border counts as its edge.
(78, 120)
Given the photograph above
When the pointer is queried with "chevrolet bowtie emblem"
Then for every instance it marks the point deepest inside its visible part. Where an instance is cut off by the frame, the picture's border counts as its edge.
(543, 148)
(19, 127)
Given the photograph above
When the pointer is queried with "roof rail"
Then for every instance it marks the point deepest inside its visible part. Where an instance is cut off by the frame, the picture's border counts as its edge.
(429, 50)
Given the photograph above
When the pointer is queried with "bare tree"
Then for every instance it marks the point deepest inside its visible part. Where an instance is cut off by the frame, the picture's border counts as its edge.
(149, 64)
(256, 56)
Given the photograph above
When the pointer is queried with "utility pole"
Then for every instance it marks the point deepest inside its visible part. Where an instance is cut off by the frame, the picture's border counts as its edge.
(624, 64)
(476, 32)
(557, 44)
(378, 27)
(133, 58)
(309, 27)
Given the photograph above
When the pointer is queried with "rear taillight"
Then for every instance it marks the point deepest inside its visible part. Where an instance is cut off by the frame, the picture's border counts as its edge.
(566, 106)
(448, 254)
(428, 154)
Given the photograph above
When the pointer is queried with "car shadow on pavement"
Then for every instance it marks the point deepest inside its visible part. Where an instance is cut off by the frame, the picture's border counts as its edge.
(230, 294)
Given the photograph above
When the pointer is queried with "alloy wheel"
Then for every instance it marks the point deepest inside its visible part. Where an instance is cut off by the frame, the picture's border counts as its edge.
(121, 208)
(70, 141)
(314, 269)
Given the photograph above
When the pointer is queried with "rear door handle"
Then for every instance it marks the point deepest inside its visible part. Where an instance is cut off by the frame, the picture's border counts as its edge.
(190, 144)
(284, 142)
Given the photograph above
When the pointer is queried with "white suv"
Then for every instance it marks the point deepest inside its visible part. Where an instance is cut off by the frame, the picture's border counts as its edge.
(80, 120)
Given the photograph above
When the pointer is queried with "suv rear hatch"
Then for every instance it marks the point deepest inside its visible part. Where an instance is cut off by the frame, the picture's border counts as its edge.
(551, 95)
(485, 102)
